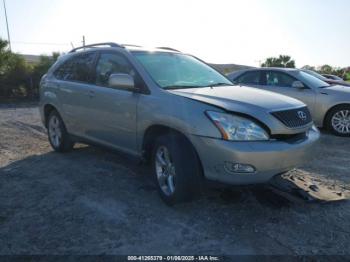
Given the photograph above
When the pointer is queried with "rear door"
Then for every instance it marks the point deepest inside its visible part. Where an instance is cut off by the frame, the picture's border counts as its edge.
(74, 79)
(282, 83)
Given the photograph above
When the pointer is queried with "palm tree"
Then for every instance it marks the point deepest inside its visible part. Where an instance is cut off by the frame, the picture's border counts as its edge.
(281, 61)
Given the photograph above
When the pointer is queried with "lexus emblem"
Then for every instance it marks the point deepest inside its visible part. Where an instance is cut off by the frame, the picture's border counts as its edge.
(302, 115)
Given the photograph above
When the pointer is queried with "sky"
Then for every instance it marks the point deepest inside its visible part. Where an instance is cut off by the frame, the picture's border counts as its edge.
(313, 32)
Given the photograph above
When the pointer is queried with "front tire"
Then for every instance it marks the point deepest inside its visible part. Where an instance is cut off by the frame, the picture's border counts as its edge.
(338, 120)
(58, 136)
(176, 168)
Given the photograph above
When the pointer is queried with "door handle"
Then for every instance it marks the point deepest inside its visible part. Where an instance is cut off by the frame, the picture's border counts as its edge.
(91, 93)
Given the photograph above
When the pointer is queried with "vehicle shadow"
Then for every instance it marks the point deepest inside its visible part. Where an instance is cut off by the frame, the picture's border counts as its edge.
(95, 201)
(18, 104)
(104, 167)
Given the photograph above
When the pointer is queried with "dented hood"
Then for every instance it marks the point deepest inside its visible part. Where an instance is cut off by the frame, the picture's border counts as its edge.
(234, 98)
(246, 100)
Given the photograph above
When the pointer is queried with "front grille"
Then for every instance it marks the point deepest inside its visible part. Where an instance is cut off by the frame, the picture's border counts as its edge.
(292, 138)
(294, 118)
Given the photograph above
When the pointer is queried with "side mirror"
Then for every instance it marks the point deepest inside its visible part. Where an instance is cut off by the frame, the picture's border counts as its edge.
(121, 81)
(298, 85)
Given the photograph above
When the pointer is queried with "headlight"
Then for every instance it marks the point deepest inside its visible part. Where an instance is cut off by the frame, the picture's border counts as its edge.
(237, 128)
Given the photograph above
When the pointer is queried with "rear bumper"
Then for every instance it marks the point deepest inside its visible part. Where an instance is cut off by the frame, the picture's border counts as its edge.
(269, 158)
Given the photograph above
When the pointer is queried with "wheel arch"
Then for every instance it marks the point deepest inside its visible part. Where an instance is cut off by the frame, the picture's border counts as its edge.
(330, 110)
(154, 131)
(47, 109)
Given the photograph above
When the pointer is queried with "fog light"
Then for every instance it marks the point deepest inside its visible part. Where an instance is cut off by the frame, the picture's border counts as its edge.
(239, 168)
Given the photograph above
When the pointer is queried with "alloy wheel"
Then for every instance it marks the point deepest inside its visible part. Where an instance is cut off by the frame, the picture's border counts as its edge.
(55, 132)
(341, 121)
(165, 170)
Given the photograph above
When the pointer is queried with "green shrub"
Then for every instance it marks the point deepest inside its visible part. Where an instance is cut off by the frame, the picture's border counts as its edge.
(18, 78)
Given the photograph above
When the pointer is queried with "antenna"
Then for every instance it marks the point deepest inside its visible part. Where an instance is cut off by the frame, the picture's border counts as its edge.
(260, 62)
(83, 40)
(7, 25)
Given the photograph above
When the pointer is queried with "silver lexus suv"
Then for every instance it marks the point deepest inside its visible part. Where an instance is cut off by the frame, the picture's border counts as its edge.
(175, 112)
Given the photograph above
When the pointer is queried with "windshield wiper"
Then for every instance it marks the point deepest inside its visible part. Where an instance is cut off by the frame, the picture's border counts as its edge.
(184, 87)
(220, 84)
(179, 87)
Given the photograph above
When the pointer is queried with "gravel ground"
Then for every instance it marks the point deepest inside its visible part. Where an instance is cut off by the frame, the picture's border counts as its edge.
(92, 201)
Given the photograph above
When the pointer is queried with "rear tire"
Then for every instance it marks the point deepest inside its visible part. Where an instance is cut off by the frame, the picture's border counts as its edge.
(338, 120)
(177, 170)
(59, 138)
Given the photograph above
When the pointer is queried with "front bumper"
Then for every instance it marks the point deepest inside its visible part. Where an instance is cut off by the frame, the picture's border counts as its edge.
(269, 158)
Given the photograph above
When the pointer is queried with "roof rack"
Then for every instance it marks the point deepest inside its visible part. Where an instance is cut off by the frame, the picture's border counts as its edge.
(110, 44)
(168, 48)
(131, 45)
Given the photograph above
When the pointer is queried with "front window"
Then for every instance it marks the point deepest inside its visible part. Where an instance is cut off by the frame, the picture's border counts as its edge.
(175, 70)
(274, 78)
(311, 80)
(110, 63)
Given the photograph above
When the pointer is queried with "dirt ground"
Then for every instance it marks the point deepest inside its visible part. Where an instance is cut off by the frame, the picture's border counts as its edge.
(93, 201)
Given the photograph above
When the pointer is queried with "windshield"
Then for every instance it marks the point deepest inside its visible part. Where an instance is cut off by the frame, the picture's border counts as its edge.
(335, 77)
(176, 70)
(321, 77)
(311, 80)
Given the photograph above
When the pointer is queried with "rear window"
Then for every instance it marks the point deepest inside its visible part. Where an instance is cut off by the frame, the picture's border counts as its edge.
(252, 78)
(78, 68)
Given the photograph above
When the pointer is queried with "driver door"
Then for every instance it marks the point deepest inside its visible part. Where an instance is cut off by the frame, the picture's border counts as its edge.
(112, 111)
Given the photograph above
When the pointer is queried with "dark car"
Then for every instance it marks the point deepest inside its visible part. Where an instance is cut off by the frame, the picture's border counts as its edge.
(333, 77)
